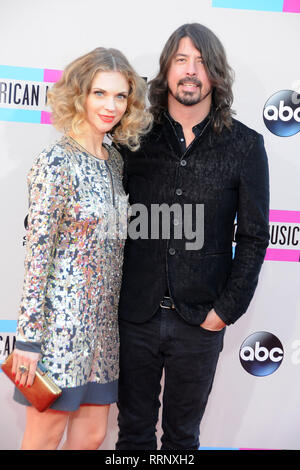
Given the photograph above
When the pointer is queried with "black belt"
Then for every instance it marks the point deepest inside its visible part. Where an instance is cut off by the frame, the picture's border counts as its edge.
(167, 302)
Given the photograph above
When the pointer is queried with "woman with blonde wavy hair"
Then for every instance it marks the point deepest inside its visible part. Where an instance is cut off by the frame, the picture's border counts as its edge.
(77, 213)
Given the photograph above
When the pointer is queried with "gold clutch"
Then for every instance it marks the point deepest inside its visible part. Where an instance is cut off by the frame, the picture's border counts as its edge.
(43, 391)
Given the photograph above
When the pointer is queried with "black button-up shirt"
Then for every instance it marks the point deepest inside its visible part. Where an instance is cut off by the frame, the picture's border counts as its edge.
(197, 129)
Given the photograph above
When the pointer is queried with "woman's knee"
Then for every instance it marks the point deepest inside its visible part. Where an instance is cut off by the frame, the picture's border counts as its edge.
(88, 441)
(43, 430)
(94, 440)
(87, 428)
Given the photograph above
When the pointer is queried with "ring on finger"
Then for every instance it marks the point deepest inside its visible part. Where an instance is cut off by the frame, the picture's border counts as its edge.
(23, 369)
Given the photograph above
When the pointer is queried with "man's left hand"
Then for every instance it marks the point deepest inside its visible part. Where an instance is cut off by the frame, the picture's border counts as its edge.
(213, 322)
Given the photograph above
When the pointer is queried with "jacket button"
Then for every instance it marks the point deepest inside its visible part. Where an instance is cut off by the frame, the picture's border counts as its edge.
(179, 192)
(172, 251)
(183, 162)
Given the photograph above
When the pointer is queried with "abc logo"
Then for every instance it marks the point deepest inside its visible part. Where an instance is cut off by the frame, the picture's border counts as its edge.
(261, 354)
(282, 113)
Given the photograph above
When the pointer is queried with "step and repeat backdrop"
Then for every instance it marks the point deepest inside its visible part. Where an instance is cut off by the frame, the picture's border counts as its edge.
(255, 401)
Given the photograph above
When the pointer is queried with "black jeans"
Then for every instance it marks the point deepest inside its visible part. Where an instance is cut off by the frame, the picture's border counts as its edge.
(189, 355)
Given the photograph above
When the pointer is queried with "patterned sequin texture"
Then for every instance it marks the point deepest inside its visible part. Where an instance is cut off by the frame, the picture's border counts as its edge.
(73, 265)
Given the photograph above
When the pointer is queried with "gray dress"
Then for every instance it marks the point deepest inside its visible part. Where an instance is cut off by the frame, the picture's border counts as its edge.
(69, 310)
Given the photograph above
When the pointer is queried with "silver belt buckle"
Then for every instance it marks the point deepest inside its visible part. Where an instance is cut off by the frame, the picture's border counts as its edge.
(172, 306)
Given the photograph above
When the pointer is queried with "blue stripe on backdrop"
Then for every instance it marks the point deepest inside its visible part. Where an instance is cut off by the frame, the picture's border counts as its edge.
(20, 115)
(22, 73)
(262, 5)
(8, 326)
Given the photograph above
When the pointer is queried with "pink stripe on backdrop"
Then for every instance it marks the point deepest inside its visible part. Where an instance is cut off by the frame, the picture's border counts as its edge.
(292, 6)
(292, 217)
(52, 76)
(282, 255)
(45, 117)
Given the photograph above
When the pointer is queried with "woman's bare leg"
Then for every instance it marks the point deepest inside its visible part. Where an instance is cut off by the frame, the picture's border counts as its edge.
(44, 430)
(87, 427)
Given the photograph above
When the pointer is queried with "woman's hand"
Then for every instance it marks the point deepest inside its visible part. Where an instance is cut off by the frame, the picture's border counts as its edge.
(24, 367)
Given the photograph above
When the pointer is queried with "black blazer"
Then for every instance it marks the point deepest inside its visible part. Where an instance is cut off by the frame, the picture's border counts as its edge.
(226, 172)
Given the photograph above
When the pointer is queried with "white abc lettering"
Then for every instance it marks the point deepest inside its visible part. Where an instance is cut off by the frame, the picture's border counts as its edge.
(274, 115)
(247, 354)
(285, 113)
(276, 354)
(297, 114)
(285, 109)
(261, 354)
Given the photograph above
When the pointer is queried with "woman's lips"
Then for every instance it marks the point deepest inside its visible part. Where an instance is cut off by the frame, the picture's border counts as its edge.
(106, 118)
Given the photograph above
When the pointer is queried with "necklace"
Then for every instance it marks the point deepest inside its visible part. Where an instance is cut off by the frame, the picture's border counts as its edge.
(99, 157)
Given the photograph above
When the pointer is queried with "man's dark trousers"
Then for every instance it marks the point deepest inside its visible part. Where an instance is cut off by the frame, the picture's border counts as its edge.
(188, 354)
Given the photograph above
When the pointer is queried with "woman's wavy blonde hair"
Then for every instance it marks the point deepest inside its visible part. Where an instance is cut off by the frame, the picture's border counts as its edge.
(67, 96)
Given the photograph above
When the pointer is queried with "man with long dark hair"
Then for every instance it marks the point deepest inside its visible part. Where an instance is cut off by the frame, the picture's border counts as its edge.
(177, 297)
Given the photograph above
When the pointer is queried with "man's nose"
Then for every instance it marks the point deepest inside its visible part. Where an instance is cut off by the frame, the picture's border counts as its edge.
(191, 68)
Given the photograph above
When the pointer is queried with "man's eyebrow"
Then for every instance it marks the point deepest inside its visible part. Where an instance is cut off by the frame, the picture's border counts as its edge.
(186, 55)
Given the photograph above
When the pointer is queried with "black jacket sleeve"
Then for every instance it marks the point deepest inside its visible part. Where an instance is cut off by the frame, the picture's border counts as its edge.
(252, 235)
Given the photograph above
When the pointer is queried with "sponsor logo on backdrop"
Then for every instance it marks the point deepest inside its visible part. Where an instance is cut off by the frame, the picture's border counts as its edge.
(261, 354)
(281, 113)
(284, 242)
(285, 6)
(23, 93)
(7, 338)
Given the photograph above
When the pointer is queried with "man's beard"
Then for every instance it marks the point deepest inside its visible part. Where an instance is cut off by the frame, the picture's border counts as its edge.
(188, 98)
